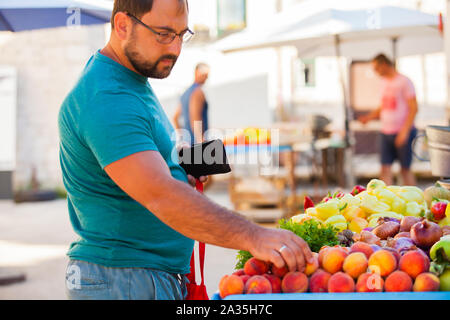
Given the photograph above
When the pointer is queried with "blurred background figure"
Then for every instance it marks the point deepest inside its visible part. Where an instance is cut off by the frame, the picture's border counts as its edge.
(397, 111)
(192, 112)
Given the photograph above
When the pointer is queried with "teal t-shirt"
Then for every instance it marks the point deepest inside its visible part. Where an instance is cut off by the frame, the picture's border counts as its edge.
(112, 112)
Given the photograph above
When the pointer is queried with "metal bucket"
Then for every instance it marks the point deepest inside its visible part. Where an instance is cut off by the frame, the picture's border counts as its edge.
(439, 149)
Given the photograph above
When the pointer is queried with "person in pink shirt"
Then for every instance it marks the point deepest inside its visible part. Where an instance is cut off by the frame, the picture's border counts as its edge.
(397, 111)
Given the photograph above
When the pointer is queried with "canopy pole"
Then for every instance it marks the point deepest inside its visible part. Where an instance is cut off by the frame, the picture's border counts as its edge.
(394, 50)
(349, 177)
(337, 46)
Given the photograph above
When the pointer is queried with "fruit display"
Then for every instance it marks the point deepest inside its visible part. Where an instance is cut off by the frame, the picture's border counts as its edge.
(360, 268)
(249, 136)
(362, 208)
(377, 238)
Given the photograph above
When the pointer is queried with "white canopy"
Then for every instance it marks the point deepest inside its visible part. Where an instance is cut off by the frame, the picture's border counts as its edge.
(361, 33)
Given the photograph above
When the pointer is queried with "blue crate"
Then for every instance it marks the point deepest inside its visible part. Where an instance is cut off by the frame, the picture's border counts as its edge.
(441, 295)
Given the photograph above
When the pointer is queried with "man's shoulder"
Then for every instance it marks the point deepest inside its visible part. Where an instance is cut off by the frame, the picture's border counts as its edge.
(198, 92)
(403, 78)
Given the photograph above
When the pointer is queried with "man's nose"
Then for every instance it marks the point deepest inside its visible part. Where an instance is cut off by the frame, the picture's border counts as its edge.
(175, 46)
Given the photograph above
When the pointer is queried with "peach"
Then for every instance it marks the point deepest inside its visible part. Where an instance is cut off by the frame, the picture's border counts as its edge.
(382, 262)
(395, 253)
(255, 267)
(363, 247)
(230, 285)
(414, 263)
(319, 281)
(341, 282)
(333, 260)
(398, 281)
(279, 272)
(369, 282)
(275, 282)
(426, 282)
(355, 264)
(312, 267)
(239, 272)
(244, 278)
(257, 284)
(294, 281)
(322, 254)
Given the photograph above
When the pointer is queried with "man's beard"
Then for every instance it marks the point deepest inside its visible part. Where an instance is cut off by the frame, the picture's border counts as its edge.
(147, 68)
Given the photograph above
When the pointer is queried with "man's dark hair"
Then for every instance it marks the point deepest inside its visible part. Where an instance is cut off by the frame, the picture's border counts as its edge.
(383, 59)
(135, 7)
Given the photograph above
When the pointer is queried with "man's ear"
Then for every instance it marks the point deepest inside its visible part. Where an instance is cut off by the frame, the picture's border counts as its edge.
(122, 25)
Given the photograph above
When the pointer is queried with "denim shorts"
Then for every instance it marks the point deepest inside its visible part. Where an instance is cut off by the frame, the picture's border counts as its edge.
(89, 281)
(389, 151)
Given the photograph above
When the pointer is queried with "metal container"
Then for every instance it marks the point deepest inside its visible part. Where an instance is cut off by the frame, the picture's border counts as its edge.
(439, 149)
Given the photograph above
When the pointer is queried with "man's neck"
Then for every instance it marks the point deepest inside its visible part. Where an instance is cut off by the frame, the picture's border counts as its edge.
(111, 53)
(392, 74)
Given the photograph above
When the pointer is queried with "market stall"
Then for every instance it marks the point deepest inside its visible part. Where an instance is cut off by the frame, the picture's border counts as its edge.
(388, 242)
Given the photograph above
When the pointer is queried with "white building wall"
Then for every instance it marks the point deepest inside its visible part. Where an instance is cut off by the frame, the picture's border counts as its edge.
(48, 62)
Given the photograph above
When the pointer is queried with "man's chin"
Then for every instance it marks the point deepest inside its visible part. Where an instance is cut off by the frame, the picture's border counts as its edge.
(163, 73)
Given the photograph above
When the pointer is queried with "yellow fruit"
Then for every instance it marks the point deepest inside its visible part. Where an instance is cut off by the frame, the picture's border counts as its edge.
(447, 211)
(375, 184)
(299, 218)
(350, 200)
(337, 221)
(373, 223)
(394, 189)
(399, 206)
(358, 224)
(413, 209)
(370, 204)
(388, 214)
(385, 195)
(445, 222)
(311, 211)
(340, 226)
(409, 195)
(327, 209)
(353, 212)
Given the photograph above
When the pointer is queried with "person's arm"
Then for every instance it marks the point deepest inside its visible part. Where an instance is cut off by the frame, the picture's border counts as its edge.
(404, 132)
(373, 115)
(196, 105)
(146, 178)
(176, 117)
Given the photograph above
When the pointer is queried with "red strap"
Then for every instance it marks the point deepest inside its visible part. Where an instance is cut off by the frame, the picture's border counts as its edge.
(201, 249)
(198, 186)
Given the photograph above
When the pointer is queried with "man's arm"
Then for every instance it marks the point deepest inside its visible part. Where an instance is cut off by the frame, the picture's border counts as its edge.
(403, 134)
(373, 115)
(145, 177)
(196, 104)
(176, 116)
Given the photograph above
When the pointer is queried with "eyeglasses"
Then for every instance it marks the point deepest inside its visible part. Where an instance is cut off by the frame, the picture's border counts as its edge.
(166, 37)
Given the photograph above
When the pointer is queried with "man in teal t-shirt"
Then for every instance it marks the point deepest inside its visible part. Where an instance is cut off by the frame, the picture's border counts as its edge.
(129, 200)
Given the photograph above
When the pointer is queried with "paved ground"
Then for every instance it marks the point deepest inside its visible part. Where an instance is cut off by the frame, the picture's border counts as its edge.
(34, 238)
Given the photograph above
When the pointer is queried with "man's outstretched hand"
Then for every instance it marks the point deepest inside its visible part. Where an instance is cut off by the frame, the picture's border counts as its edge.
(281, 247)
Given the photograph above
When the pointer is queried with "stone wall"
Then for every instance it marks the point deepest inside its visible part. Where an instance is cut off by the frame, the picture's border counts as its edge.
(48, 63)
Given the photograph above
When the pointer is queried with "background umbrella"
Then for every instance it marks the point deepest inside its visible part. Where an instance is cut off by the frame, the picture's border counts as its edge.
(21, 15)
